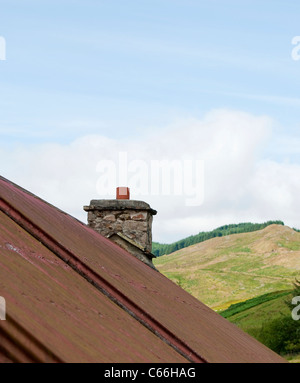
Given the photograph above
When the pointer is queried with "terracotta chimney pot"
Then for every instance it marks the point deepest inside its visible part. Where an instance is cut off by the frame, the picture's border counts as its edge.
(123, 193)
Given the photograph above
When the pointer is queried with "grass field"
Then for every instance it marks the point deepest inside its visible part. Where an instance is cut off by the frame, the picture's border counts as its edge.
(231, 269)
(247, 278)
(253, 315)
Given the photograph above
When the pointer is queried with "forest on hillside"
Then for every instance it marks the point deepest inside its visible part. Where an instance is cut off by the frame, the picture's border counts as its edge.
(159, 249)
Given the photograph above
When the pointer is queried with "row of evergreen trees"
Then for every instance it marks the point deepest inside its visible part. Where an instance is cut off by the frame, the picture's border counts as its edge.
(159, 249)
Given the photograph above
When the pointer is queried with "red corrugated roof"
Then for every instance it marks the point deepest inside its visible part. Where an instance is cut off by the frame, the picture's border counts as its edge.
(73, 295)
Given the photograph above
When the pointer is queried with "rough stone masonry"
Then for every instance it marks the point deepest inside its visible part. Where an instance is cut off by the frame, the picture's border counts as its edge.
(132, 218)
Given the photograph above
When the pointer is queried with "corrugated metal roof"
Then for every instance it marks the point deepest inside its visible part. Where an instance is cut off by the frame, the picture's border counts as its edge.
(74, 295)
(59, 315)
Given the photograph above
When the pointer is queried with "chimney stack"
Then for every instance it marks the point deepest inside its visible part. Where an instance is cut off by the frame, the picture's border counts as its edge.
(126, 222)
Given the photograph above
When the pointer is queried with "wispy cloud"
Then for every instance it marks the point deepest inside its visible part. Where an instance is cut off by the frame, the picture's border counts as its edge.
(266, 98)
(239, 184)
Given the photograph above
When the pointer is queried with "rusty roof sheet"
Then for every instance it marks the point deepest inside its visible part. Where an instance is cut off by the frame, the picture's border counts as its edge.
(61, 315)
(61, 275)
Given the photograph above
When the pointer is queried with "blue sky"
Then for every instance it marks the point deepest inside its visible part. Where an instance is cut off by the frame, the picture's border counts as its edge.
(137, 63)
(125, 70)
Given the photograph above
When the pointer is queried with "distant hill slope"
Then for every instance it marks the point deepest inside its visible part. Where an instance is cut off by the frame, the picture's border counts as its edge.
(160, 249)
(230, 269)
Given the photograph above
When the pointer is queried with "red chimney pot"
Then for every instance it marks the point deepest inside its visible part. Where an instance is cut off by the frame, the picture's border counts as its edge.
(123, 193)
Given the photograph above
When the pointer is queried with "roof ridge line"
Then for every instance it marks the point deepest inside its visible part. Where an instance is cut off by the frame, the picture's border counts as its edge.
(101, 284)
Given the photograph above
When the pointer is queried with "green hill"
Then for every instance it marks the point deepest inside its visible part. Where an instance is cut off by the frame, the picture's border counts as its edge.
(237, 310)
(160, 249)
(248, 279)
(268, 319)
(233, 268)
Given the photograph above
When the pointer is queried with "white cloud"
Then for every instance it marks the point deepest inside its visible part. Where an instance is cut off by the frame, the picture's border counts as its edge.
(275, 190)
(239, 185)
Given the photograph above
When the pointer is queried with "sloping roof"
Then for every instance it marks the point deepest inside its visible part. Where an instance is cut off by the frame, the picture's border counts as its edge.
(73, 295)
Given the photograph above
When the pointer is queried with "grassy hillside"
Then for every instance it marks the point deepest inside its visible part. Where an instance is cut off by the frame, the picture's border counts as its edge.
(268, 319)
(238, 310)
(230, 269)
(252, 316)
(160, 249)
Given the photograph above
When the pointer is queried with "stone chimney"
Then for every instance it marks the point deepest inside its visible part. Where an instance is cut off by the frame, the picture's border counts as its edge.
(126, 222)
